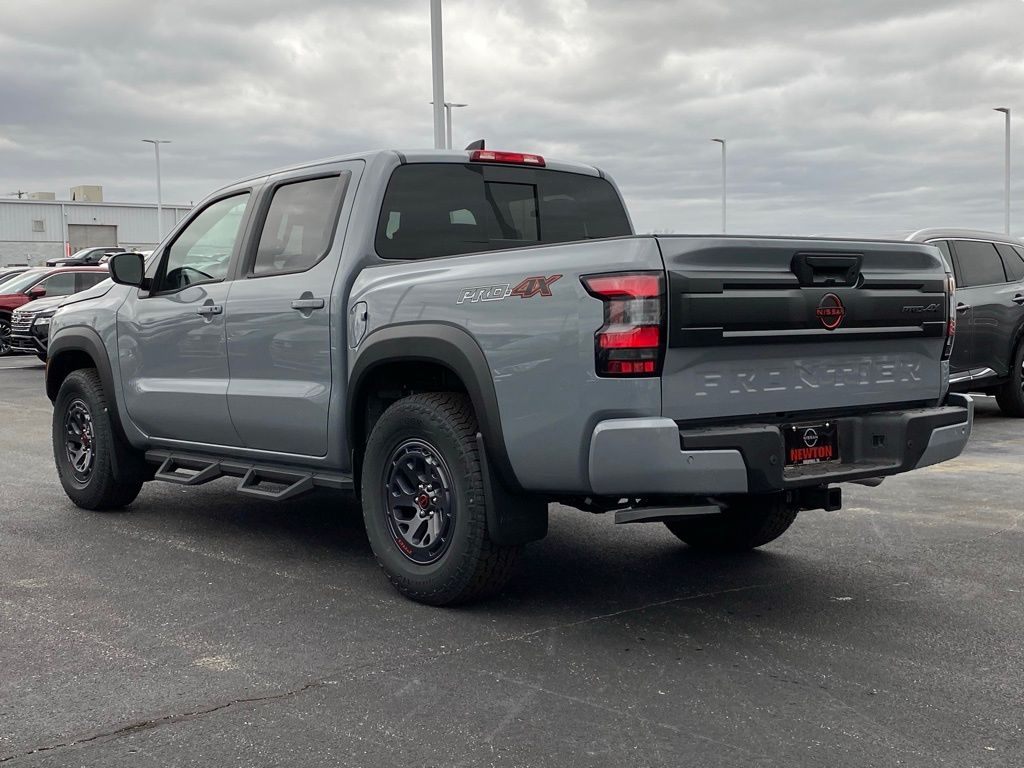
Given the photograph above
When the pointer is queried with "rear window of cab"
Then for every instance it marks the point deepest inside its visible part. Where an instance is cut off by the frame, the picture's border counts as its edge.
(444, 209)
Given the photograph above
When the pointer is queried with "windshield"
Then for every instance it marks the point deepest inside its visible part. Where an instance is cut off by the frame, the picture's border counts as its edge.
(18, 283)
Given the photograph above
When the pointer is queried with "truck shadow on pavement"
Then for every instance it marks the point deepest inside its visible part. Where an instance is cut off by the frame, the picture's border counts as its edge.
(585, 564)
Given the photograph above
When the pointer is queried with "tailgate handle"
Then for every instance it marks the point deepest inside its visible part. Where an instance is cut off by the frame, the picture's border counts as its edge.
(826, 269)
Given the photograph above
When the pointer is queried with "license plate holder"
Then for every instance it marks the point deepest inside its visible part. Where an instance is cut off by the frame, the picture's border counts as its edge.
(811, 443)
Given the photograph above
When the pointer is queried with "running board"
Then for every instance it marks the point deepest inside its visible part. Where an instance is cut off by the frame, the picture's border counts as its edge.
(273, 482)
(185, 470)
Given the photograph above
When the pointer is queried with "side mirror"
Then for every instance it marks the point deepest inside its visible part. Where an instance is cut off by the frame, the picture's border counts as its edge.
(127, 268)
(36, 293)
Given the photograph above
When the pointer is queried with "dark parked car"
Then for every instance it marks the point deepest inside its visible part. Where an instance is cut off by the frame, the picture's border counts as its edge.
(30, 325)
(36, 283)
(85, 257)
(988, 355)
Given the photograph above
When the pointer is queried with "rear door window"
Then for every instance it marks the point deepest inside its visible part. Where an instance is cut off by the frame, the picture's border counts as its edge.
(1012, 261)
(299, 225)
(979, 263)
(443, 209)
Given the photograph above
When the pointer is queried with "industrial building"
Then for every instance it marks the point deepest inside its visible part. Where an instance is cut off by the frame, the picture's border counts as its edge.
(38, 227)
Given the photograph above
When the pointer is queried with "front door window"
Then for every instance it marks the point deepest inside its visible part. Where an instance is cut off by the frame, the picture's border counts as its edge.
(202, 252)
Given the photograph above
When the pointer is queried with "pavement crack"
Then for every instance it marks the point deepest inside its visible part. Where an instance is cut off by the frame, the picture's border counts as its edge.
(178, 717)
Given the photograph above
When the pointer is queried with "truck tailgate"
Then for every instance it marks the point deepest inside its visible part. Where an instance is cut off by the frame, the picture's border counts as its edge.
(774, 326)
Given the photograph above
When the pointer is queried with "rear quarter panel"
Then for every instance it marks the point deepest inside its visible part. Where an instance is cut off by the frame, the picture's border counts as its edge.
(540, 350)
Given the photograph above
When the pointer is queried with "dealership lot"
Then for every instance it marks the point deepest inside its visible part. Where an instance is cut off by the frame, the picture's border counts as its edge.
(200, 627)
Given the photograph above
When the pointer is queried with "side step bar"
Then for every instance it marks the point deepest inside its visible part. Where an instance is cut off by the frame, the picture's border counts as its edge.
(264, 481)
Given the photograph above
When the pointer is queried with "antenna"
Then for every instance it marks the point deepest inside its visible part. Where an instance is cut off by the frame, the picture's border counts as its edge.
(478, 144)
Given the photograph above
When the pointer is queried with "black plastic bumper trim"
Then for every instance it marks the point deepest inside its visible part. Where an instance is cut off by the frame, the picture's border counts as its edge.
(870, 445)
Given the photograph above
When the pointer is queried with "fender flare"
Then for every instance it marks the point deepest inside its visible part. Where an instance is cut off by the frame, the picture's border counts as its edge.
(78, 339)
(446, 345)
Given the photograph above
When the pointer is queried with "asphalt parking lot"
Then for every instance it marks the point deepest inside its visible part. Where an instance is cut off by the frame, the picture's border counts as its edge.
(201, 628)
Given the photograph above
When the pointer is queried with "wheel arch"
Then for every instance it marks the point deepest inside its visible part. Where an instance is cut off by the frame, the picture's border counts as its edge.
(77, 348)
(426, 347)
(1016, 340)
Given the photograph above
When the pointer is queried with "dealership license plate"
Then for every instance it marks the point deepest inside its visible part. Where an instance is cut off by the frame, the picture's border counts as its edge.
(811, 443)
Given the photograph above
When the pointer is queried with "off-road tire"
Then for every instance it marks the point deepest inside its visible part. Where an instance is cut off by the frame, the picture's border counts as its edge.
(745, 522)
(101, 490)
(472, 566)
(1010, 396)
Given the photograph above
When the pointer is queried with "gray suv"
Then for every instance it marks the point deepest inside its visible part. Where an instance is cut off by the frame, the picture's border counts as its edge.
(461, 338)
(988, 356)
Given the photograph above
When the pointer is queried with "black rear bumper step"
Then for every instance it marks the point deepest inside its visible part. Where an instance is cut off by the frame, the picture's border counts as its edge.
(265, 481)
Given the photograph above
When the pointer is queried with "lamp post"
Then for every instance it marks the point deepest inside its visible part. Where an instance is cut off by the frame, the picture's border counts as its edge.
(722, 142)
(448, 107)
(437, 63)
(159, 194)
(1006, 222)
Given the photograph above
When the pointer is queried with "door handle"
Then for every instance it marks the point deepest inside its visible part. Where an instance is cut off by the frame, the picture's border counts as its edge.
(962, 307)
(308, 304)
(210, 309)
(1018, 299)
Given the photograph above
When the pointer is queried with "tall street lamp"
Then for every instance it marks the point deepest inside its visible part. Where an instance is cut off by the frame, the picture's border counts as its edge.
(437, 67)
(722, 142)
(159, 194)
(1006, 111)
(448, 107)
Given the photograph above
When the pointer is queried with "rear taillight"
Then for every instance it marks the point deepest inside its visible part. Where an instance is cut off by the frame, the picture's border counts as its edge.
(630, 343)
(947, 349)
(511, 158)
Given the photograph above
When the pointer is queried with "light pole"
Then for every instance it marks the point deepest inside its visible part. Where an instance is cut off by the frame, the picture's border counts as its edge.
(1006, 111)
(437, 62)
(722, 142)
(448, 107)
(159, 194)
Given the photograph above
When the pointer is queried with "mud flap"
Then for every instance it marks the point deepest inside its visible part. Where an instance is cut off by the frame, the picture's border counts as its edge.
(511, 518)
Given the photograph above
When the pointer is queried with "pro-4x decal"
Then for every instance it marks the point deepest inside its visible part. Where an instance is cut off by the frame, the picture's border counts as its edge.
(538, 285)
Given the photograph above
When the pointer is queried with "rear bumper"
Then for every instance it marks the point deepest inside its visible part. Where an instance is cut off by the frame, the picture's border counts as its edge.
(654, 456)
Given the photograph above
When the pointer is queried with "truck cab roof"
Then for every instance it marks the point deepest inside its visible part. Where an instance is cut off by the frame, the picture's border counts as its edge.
(402, 157)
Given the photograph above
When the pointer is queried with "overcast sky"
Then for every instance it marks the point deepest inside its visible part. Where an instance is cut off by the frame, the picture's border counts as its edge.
(843, 116)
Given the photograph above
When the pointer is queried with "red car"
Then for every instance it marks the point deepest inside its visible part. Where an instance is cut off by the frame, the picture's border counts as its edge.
(37, 283)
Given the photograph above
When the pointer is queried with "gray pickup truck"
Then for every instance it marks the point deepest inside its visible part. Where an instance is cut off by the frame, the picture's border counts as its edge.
(461, 338)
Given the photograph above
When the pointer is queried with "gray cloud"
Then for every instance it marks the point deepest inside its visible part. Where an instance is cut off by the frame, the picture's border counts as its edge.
(842, 116)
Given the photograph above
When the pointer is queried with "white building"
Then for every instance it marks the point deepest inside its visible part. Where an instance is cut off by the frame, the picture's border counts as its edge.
(32, 231)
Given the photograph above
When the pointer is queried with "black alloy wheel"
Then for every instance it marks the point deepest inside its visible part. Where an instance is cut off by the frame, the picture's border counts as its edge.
(79, 440)
(419, 503)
